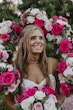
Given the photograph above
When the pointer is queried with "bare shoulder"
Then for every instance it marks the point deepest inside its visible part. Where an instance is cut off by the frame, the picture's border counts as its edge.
(52, 64)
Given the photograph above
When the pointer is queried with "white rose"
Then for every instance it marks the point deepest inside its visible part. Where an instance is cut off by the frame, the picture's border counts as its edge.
(3, 65)
(48, 26)
(61, 78)
(1, 41)
(69, 61)
(58, 39)
(5, 54)
(68, 71)
(49, 37)
(53, 97)
(50, 104)
(42, 15)
(45, 19)
(64, 56)
(5, 30)
(10, 67)
(1, 24)
(34, 11)
(25, 104)
(39, 16)
(8, 23)
(30, 19)
(39, 95)
(62, 22)
(2, 47)
(31, 99)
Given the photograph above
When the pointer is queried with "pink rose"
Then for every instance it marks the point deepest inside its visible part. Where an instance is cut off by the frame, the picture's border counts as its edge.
(68, 71)
(17, 75)
(53, 97)
(1, 88)
(0, 54)
(38, 106)
(23, 15)
(70, 55)
(55, 17)
(20, 99)
(5, 55)
(63, 19)
(48, 90)
(23, 22)
(29, 92)
(17, 29)
(12, 88)
(10, 67)
(8, 78)
(6, 37)
(65, 46)
(62, 66)
(45, 31)
(39, 23)
(57, 29)
(48, 27)
(0, 79)
(65, 89)
(8, 23)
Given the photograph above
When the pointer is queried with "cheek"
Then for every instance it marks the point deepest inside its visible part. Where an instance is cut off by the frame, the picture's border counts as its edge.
(31, 43)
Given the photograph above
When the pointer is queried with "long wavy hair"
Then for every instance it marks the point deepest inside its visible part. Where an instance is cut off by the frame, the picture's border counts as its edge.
(24, 51)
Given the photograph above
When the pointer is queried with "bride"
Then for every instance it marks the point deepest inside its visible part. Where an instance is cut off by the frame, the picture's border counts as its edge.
(31, 61)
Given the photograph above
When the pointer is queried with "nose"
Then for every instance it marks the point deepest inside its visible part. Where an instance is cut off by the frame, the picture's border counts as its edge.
(38, 39)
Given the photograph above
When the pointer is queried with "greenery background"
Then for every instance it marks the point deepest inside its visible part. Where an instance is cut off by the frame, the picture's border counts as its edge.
(52, 7)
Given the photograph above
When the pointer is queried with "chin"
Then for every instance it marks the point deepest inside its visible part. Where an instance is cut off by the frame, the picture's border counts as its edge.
(37, 52)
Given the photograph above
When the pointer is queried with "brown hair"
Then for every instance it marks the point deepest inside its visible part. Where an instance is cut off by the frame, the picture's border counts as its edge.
(23, 53)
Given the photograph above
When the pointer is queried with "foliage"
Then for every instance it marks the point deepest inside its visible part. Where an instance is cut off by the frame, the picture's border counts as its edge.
(7, 11)
(52, 7)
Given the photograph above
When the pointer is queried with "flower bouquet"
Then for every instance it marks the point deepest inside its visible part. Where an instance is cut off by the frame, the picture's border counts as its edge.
(9, 79)
(9, 36)
(34, 99)
(36, 17)
(3, 54)
(65, 69)
(60, 30)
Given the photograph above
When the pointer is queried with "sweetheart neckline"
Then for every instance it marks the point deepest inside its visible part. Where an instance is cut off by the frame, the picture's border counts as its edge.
(34, 82)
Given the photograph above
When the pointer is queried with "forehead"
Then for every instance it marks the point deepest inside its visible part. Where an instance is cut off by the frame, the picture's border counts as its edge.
(37, 32)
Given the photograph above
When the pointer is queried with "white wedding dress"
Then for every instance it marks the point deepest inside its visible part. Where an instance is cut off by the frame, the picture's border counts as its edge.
(29, 84)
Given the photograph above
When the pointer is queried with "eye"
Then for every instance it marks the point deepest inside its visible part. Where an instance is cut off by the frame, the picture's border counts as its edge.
(40, 37)
(33, 37)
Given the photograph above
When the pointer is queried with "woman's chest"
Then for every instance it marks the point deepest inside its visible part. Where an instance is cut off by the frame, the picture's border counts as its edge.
(35, 75)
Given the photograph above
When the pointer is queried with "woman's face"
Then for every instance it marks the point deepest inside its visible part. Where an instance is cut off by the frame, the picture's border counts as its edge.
(37, 42)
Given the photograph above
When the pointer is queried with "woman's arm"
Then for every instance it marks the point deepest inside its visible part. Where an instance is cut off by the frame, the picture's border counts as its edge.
(61, 98)
(10, 101)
